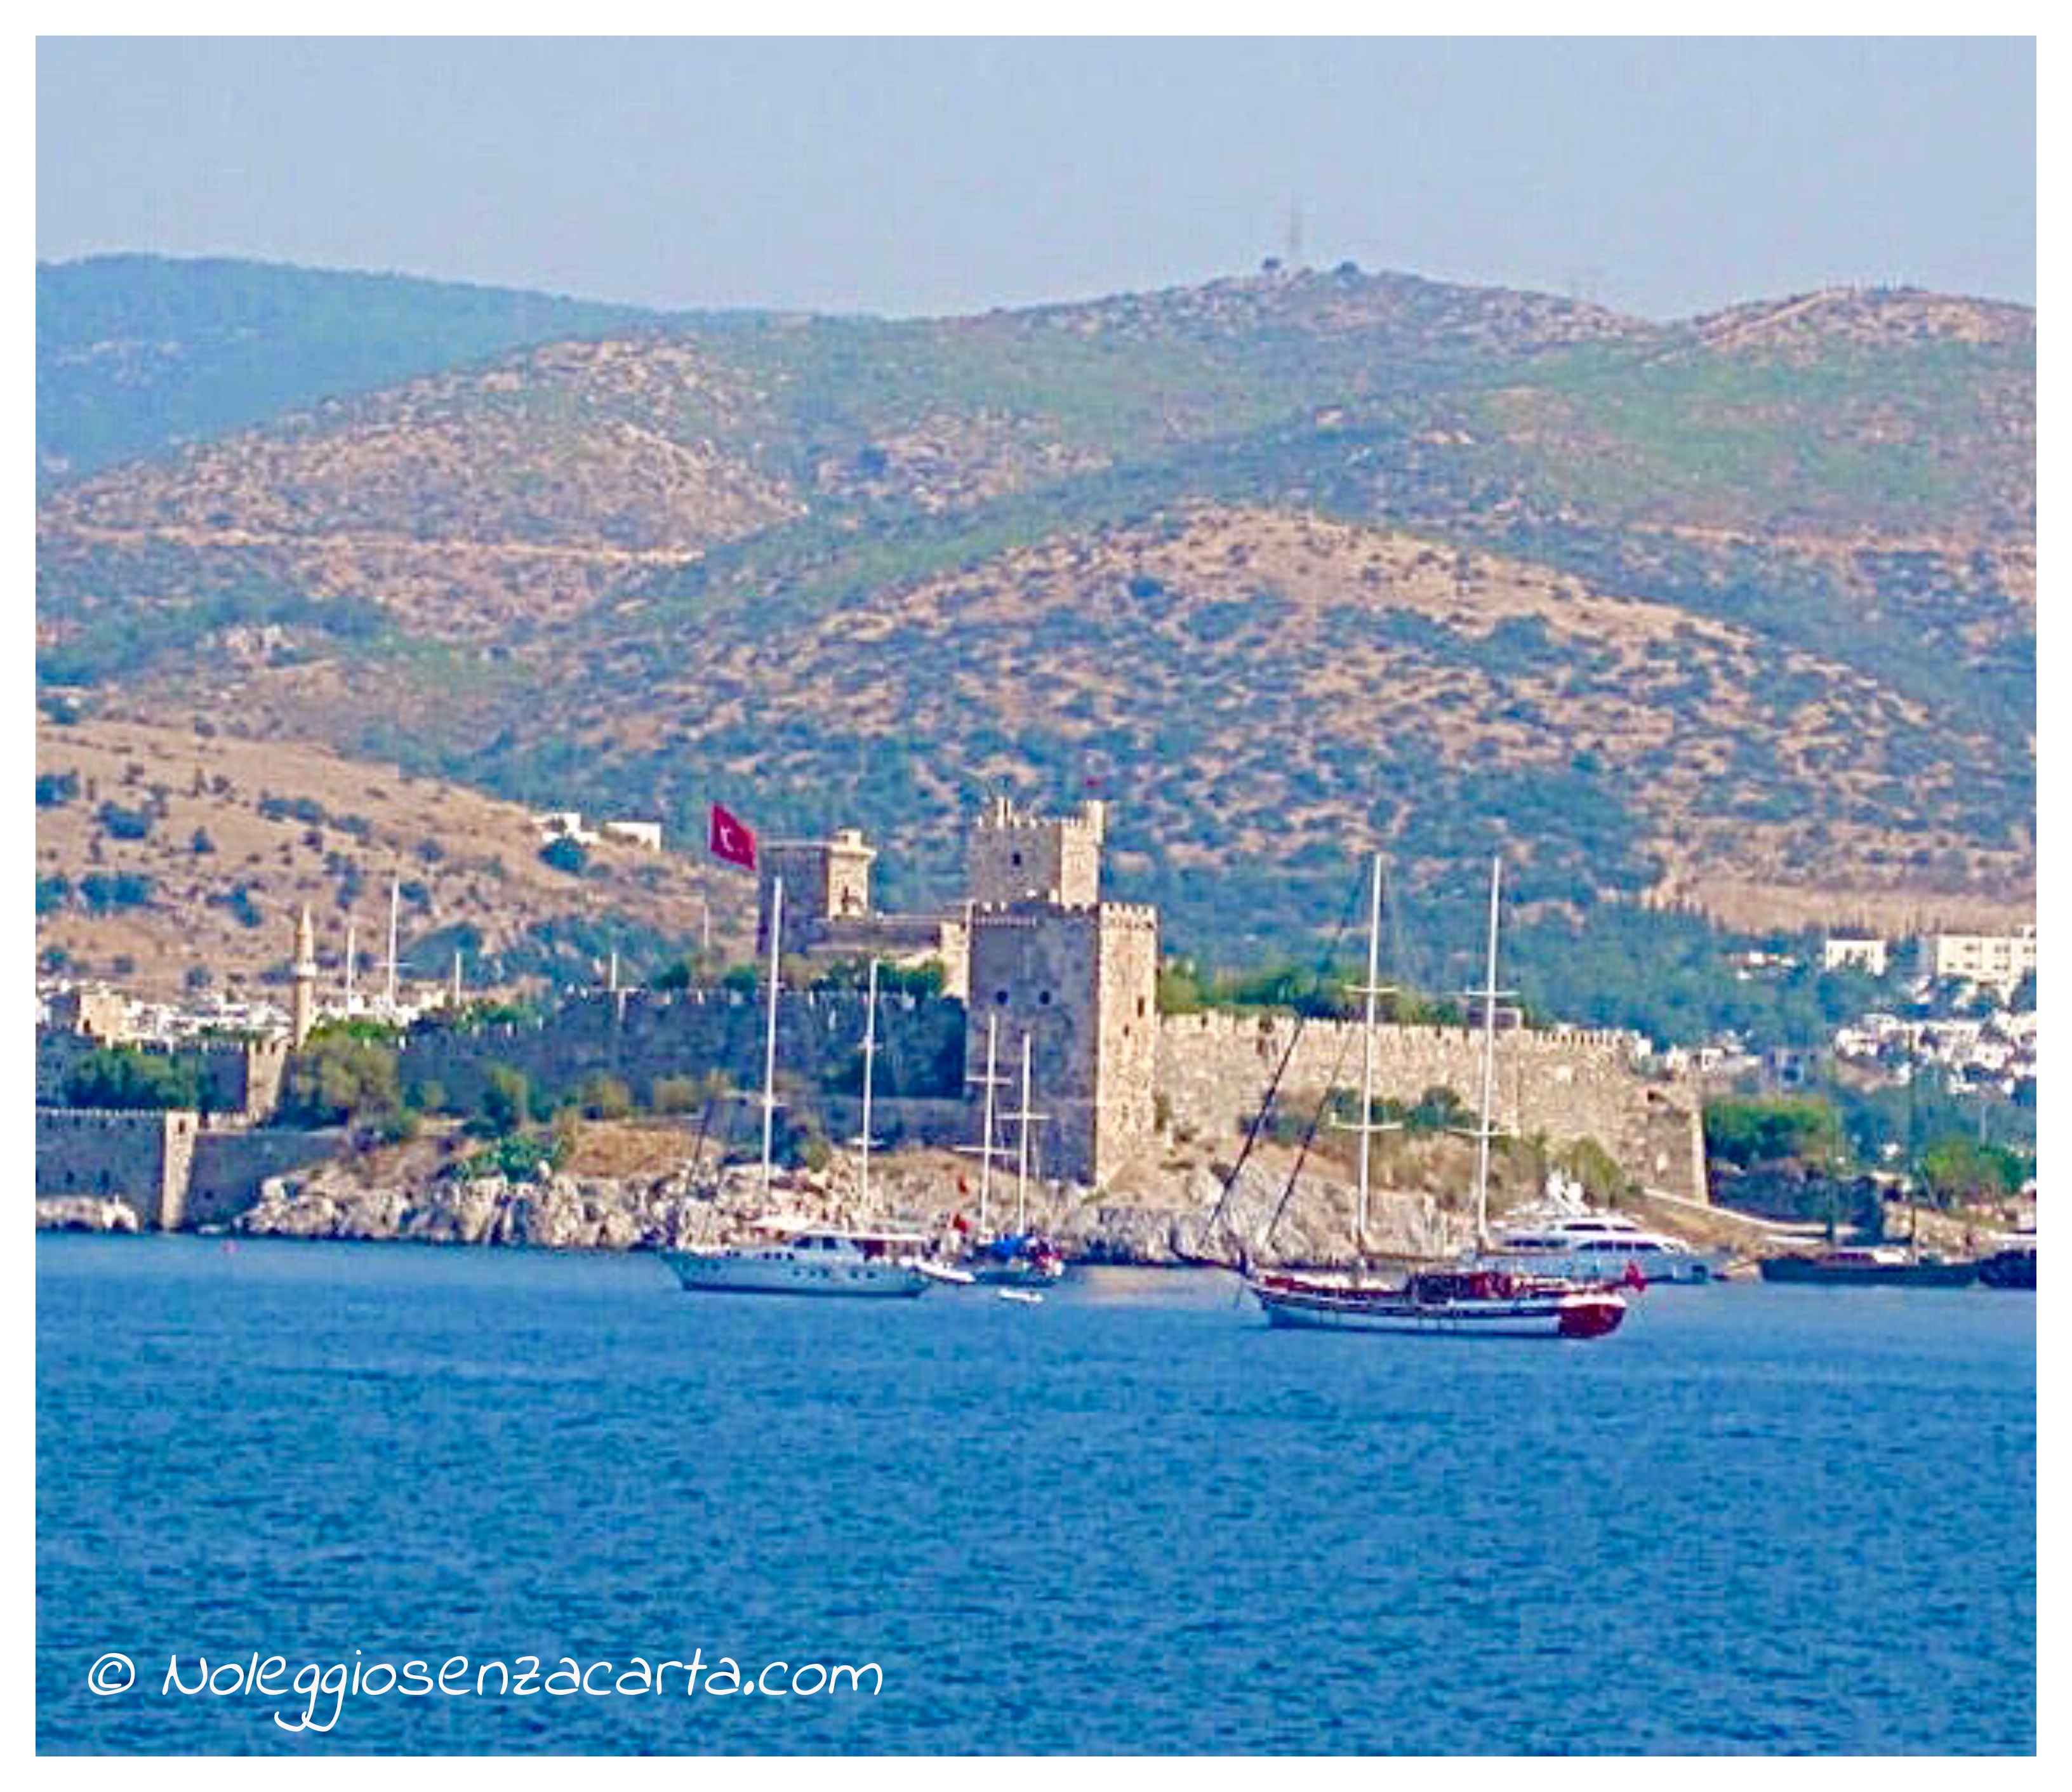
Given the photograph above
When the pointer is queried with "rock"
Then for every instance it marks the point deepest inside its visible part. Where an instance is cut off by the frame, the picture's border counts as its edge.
(85, 1213)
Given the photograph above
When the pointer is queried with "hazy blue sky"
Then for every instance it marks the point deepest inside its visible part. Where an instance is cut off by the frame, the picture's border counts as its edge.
(1661, 176)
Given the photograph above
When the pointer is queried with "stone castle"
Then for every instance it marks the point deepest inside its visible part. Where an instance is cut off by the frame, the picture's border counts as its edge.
(1031, 952)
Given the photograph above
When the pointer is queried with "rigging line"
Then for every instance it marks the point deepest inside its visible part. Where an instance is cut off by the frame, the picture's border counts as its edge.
(1287, 1057)
(1309, 1138)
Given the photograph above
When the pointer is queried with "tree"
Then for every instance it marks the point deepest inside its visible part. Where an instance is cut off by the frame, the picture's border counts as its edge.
(565, 854)
(124, 823)
(1744, 1133)
(340, 1076)
(604, 1097)
(507, 1101)
(126, 1076)
(1960, 1172)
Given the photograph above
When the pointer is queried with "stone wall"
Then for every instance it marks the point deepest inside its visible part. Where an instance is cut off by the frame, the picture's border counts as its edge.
(1126, 1095)
(639, 1036)
(1080, 984)
(230, 1163)
(137, 1156)
(237, 1078)
(1214, 1070)
(1011, 857)
(172, 1168)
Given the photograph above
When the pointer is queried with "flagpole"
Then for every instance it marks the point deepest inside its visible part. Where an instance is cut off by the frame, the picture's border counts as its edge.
(770, 1035)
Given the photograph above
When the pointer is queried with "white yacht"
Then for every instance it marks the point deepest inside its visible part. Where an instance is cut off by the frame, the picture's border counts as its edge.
(803, 1256)
(1599, 1247)
(802, 1259)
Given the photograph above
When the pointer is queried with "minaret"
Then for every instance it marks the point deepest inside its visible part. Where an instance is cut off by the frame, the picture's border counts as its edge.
(395, 893)
(304, 1014)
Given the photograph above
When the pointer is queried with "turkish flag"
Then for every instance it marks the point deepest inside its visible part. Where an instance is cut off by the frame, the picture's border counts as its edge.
(732, 839)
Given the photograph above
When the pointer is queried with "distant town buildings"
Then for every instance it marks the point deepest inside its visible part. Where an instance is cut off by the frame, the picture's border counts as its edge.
(553, 824)
(1995, 960)
(1846, 952)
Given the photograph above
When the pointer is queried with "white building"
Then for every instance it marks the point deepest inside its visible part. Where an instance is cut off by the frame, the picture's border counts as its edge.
(563, 824)
(1841, 952)
(1999, 960)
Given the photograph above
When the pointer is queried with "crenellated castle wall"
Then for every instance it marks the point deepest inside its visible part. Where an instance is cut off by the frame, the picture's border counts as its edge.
(1569, 1083)
(173, 1168)
(640, 1037)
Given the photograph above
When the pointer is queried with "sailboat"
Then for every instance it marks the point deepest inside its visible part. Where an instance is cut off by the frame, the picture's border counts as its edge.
(1019, 1259)
(796, 1256)
(1467, 1298)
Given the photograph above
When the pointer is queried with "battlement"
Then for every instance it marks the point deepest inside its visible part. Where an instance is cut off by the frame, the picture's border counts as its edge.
(1033, 911)
(1003, 817)
(1223, 1024)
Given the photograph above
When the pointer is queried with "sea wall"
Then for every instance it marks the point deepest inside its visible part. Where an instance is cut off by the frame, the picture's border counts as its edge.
(230, 1166)
(172, 1168)
(139, 1158)
(1568, 1084)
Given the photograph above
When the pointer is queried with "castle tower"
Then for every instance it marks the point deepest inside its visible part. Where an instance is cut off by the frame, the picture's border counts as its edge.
(1081, 982)
(303, 1016)
(1015, 857)
(825, 880)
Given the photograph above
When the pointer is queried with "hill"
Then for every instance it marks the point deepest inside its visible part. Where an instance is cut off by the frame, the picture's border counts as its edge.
(136, 354)
(1737, 613)
(178, 859)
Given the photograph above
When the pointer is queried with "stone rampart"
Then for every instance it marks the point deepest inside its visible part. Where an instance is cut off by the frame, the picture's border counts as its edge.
(137, 1156)
(230, 1163)
(172, 1167)
(638, 1036)
(1570, 1083)
(238, 1077)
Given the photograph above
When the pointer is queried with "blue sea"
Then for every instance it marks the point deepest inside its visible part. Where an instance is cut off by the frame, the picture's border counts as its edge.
(1132, 1519)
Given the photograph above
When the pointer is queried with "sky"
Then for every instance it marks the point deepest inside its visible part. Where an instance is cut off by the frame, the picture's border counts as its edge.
(909, 176)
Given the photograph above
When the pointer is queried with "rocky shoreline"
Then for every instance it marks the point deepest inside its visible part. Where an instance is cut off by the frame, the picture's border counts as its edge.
(1161, 1221)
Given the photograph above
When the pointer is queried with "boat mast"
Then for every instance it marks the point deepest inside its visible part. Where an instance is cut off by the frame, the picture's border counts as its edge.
(985, 1142)
(1489, 1068)
(1365, 1126)
(870, 1052)
(770, 1033)
(1021, 1166)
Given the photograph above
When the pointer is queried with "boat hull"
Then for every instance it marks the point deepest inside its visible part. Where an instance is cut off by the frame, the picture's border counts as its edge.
(1566, 1312)
(1020, 1273)
(2009, 1269)
(1810, 1270)
(723, 1272)
(1659, 1267)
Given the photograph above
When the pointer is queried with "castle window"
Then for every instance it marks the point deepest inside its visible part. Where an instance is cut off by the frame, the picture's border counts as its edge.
(1017, 858)
(1001, 997)
(1045, 998)
(1140, 1008)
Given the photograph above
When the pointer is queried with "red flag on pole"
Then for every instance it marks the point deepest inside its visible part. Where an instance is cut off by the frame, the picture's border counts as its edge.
(732, 839)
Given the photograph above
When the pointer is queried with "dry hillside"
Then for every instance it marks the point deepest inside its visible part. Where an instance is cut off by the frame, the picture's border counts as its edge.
(464, 861)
